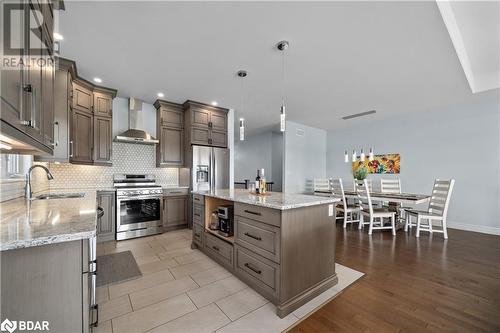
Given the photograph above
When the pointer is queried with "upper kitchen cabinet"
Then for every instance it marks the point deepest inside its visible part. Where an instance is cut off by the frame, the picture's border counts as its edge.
(27, 92)
(82, 96)
(103, 104)
(92, 124)
(170, 132)
(169, 114)
(63, 100)
(207, 125)
(103, 140)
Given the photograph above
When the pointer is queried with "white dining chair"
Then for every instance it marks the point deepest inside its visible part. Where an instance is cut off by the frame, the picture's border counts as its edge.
(322, 185)
(390, 186)
(348, 210)
(376, 216)
(370, 184)
(437, 210)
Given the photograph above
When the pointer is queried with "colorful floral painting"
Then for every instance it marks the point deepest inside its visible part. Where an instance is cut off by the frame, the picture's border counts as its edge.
(388, 163)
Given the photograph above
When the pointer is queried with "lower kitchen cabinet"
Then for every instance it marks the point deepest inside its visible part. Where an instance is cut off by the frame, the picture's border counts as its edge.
(106, 224)
(175, 212)
(49, 283)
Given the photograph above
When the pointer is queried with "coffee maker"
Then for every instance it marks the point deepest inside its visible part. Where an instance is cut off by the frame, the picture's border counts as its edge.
(226, 224)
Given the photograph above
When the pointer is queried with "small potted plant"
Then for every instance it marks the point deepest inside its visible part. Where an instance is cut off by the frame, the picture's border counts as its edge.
(360, 174)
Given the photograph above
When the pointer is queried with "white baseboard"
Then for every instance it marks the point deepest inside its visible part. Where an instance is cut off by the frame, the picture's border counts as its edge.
(473, 227)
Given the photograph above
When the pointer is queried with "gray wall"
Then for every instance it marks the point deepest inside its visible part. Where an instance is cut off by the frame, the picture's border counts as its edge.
(120, 116)
(460, 142)
(277, 161)
(305, 157)
(257, 152)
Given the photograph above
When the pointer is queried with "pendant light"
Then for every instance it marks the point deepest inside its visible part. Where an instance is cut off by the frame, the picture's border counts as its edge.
(242, 129)
(282, 46)
(362, 156)
(242, 74)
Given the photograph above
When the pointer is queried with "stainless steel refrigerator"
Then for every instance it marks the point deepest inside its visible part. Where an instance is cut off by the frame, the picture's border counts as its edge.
(210, 168)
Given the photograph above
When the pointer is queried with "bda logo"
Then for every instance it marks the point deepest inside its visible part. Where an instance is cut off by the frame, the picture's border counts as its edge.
(8, 325)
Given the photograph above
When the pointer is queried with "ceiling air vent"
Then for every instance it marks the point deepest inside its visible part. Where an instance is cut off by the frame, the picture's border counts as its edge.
(356, 115)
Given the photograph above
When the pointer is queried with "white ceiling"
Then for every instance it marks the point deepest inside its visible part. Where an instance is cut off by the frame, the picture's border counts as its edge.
(344, 57)
(474, 28)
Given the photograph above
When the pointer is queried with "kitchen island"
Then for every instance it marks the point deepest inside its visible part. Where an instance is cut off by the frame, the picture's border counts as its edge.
(283, 244)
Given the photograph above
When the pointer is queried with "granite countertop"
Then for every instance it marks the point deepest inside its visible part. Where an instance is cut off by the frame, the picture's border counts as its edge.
(275, 200)
(39, 222)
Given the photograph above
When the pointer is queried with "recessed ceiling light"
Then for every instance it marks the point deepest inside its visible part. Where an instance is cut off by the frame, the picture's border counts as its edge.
(214, 103)
(98, 80)
(160, 95)
(58, 36)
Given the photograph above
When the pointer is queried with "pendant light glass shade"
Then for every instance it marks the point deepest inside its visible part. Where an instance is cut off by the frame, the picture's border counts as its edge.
(362, 157)
(370, 156)
(346, 157)
(242, 129)
(282, 119)
(354, 157)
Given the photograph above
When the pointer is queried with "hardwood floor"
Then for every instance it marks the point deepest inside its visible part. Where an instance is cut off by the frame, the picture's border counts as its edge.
(414, 285)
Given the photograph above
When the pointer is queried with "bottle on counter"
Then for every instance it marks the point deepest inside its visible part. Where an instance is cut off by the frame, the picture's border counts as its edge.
(262, 181)
(257, 182)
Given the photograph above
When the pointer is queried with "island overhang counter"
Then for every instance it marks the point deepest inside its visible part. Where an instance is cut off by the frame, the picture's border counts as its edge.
(283, 245)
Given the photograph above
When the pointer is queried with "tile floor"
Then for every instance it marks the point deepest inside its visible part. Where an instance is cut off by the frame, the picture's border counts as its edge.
(183, 290)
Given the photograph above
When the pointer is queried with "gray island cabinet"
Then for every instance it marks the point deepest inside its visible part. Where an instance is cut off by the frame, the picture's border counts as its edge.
(283, 245)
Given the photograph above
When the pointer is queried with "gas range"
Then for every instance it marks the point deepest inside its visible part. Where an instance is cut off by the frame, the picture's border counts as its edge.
(139, 205)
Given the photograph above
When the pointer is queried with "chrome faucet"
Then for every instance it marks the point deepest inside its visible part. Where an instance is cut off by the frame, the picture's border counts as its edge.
(28, 193)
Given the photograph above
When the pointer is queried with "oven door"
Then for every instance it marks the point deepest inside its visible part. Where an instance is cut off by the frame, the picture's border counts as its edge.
(135, 213)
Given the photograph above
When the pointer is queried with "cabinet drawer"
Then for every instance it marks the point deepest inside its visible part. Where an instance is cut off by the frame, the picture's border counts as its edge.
(199, 199)
(262, 214)
(198, 235)
(219, 250)
(259, 272)
(198, 214)
(259, 237)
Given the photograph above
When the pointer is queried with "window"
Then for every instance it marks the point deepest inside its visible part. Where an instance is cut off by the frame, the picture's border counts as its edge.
(14, 166)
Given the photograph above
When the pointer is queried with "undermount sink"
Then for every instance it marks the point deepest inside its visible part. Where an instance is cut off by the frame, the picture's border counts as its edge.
(58, 196)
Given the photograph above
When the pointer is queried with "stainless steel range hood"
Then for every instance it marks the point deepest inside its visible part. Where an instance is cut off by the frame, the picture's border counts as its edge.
(136, 132)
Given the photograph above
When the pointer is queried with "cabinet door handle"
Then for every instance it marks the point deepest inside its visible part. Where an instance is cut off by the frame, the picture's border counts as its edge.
(29, 89)
(216, 248)
(253, 213)
(258, 271)
(252, 236)
(33, 108)
(210, 124)
(71, 149)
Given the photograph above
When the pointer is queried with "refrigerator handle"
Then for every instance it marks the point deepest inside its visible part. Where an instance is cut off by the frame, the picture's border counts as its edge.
(214, 184)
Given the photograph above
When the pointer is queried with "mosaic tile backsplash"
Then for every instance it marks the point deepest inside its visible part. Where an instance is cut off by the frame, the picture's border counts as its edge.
(127, 158)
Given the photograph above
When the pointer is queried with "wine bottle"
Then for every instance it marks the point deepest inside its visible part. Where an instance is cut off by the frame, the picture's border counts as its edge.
(257, 182)
(262, 181)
